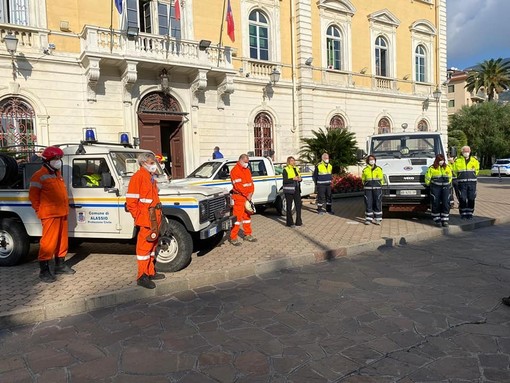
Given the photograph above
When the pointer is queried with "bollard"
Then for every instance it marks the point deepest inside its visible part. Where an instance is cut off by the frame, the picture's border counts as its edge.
(499, 174)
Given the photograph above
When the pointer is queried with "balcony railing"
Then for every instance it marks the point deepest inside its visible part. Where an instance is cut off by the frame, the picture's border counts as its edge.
(383, 83)
(146, 46)
(257, 68)
(29, 38)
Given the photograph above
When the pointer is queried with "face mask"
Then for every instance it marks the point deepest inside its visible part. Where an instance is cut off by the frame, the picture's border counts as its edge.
(466, 154)
(441, 163)
(56, 164)
(151, 168)
(326, 161)
(245, 164)
(371, 162)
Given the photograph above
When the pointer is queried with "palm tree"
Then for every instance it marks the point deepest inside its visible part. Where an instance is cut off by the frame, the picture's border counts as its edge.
(493, 76)
(340, 144)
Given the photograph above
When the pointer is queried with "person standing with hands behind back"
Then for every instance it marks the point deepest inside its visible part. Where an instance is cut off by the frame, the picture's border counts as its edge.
(292, 190)
(373, 179)
(48, 195)
(323, 176)
(439, 178)
(466, 168)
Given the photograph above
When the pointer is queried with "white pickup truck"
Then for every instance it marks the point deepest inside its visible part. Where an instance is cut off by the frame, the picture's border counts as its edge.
(404, 158)
(267, 178)
(98, 211)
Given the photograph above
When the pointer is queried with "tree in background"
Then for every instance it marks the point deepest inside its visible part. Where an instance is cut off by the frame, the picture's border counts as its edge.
(456, 139)
(493, 76)
(340, 144)
(487, 129)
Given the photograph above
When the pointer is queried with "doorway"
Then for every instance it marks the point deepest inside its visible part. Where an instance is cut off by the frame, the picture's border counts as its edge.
(172, 148)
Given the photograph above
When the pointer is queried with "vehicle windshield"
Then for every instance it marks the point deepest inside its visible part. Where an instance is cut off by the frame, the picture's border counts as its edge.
(406, 146)
(126, 163)
(502, 162)
(206, 170)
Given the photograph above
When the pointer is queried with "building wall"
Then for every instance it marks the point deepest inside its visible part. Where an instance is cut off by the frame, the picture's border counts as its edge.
(86, 82)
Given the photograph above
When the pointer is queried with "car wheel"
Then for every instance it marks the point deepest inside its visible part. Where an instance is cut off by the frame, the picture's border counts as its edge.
(14, 242)
(174, 248)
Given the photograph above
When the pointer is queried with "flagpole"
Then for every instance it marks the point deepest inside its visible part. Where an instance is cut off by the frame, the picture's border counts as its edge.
(111, 26)
(221, 31)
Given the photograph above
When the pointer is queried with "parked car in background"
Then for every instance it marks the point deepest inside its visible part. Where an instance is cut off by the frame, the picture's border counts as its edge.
(501, 166)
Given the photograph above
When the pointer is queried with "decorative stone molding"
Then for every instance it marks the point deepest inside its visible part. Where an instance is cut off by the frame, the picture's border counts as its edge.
(197, 88)
(384, 17)
(337, 6)
(129, 77)
(92, 73)
(225, 89)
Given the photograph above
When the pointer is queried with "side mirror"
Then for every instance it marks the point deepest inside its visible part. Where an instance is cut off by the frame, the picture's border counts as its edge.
(453, 151)
(360, 154)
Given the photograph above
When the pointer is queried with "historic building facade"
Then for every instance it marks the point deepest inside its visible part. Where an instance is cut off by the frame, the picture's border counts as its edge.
(164, 73)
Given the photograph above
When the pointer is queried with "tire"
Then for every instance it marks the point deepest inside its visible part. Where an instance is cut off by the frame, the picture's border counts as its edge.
(180, 247)
(14, 242)
(281, 205)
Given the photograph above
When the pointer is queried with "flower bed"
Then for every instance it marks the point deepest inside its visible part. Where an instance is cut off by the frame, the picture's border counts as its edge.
(346, 183)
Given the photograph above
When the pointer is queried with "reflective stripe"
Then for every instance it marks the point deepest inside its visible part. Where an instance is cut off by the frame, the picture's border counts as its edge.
(289, 188)
(323, 182)
(248, 184)
(247, 221)
(236, 180)
(145, 200)
(439, 183)
(129, 195)
(46, 176)
(237, 223)
(143, 257)
(35, 185)
(372, 188)
(466, 179)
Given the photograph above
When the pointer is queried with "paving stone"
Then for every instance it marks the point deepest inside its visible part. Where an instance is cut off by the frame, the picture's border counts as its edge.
(457, 368)
(252, 363)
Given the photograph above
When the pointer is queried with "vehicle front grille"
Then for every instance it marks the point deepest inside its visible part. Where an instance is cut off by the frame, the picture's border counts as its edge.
(218, 206)
(418, 161)
(417, 178)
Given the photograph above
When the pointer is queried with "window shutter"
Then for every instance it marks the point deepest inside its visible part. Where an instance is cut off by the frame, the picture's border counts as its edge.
(163, 19)
(19, 12)
(132, 13)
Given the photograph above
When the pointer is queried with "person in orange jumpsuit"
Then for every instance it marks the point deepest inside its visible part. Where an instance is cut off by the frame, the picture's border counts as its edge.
(242, 190)
(48, 195)
(142, 201)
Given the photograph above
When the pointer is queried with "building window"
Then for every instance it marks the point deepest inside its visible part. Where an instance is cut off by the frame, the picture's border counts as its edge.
(384, 126)
(259, 36)
(381, 57)
(263, 131)
(17, 123)
(451, 104)
(14, 12)
(337, 122)
(451, 88)
(420, 60)
(142, 15)
(334, 46)
(423, 126)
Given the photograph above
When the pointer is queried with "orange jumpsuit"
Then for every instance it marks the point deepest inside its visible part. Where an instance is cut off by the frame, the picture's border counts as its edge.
(143, 193)
(242, 186)
(48, 195)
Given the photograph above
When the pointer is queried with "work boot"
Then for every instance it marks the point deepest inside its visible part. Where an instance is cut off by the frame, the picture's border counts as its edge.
(445, 224)
(250, 238)
(145, 281)
(46, 275)
(157, 276)
(61, 267)
(235, 242)
(506, 301)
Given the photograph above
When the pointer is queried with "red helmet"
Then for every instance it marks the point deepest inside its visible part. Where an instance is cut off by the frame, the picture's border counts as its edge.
(51, 152)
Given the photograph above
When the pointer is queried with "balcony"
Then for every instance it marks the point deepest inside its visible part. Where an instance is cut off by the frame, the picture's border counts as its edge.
(30, 39)
(257, 68)
(102, 42)
(383, 83)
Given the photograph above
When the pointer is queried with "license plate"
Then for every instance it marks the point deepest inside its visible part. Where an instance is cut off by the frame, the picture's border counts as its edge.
(407, 192)
(213, 231)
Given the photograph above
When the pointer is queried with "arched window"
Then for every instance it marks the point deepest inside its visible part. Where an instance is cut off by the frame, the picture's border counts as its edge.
(263, 131)
(337, 122)
(384, 126)
(17, 124)
(259, 36)
(381, 57)
(420, 60)
(334, 47)
(423, 126)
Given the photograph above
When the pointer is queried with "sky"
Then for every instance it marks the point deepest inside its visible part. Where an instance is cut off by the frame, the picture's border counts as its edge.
(477, 30)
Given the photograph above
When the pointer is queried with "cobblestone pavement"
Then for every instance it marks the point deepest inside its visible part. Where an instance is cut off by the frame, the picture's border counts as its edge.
(106, 271)
(426, 312)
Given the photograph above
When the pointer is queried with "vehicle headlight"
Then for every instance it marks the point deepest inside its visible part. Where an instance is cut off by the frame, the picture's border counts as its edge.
(203, 208)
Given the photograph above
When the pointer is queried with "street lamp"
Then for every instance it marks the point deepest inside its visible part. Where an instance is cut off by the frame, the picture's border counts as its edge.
(274, 76)
(437, 97)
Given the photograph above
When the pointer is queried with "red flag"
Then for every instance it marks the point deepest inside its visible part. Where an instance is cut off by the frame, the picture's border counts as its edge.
(177, 10)
(230, 23)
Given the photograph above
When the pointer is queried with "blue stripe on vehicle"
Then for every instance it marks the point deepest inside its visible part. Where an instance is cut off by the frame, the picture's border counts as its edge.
(15, 204)
(228, 183)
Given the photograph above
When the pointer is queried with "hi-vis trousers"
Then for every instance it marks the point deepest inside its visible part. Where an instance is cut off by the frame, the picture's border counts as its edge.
(54, 240)
(242, 217)
(145, 252)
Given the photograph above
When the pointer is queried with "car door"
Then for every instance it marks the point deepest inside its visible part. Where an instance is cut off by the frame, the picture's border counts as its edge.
(93, 210)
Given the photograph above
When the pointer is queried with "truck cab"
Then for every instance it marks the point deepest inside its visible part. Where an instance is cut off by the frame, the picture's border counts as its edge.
(404, 158)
